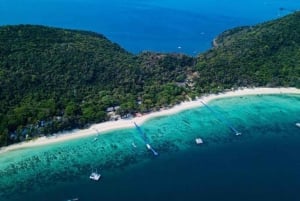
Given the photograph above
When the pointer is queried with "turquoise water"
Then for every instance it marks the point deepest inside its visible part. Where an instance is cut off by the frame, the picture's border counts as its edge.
(262, 164)
(157, 25)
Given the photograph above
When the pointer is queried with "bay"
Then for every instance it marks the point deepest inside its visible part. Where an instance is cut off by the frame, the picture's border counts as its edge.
(184, 26)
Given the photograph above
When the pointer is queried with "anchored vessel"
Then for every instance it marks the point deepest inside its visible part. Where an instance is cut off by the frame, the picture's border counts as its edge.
(95, 176)
(199, 141)
(73, 199)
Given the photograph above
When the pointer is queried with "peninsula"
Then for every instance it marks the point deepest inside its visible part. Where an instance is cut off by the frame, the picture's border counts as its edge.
(54, 80)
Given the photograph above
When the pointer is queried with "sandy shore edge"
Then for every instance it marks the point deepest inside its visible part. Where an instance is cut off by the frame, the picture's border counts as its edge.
(122, 124)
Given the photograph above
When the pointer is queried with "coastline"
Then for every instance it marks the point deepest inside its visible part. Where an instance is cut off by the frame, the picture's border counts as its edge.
(128, 123)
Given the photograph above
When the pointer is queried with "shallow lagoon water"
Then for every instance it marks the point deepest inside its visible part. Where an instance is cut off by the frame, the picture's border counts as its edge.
(262, 164)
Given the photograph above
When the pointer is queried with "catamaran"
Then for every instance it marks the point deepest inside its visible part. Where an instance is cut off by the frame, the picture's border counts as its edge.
(95, 176)
(199, 141)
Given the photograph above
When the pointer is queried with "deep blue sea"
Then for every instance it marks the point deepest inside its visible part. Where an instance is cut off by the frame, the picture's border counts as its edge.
(261, 164)
(186, 26)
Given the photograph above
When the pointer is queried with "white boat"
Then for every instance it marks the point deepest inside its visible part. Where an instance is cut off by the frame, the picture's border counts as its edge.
(74, 199)
(199, 141)
(148, 146)
(237, 134)
(95, 176)
(298, 125)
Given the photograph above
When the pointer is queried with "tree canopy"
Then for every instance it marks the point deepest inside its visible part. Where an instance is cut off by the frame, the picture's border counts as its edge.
(56, 79)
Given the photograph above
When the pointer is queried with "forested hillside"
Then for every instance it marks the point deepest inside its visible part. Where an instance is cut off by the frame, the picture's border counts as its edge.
(263, 55)
(55, 79)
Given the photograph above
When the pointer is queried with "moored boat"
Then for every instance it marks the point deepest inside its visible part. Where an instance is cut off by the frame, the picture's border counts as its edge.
(95, 176)
(199, 141)
(73, 199)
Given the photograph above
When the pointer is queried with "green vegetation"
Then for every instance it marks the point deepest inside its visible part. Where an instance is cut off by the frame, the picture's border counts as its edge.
(55, 79)
(263, 55)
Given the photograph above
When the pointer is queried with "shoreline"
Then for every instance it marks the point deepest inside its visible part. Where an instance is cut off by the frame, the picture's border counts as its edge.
(104, 127)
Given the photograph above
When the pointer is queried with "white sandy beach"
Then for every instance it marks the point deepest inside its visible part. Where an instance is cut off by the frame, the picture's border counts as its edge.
(121, 124)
